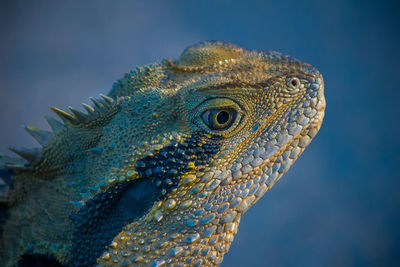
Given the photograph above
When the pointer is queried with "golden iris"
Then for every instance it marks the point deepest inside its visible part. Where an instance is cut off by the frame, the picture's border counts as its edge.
(219, 119)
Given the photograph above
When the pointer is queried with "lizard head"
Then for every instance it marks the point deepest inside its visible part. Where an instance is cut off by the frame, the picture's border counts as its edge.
(178, 151)
(225, 123)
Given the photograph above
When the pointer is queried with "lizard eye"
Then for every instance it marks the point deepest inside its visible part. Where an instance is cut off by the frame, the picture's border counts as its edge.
(219, 119)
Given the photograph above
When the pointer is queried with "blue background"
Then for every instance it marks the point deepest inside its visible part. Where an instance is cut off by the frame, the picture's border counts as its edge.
(339, 204)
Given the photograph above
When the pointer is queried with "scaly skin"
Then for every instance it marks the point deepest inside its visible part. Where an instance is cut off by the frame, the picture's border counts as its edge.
(161, 171)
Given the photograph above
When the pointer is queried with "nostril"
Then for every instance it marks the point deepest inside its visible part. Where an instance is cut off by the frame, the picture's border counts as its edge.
(293, 83)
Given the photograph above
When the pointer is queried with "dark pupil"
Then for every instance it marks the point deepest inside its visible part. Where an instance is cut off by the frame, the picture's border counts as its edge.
(294, 82)
(222, 117)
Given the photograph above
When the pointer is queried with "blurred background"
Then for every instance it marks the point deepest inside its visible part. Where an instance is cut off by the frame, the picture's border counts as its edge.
(339, 204)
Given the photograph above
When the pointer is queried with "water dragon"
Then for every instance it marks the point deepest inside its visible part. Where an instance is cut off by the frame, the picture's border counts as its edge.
(159, 171)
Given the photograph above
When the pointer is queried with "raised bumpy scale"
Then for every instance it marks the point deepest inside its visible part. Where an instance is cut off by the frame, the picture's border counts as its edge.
(159, 171)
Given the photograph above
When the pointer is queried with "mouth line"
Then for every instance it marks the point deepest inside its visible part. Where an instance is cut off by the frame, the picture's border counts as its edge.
(314, 124)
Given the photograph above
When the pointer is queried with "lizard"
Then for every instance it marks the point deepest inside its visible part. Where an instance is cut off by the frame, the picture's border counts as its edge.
(159, 171)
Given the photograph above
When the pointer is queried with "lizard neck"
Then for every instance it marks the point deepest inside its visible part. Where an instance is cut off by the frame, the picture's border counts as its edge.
(197, 230)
